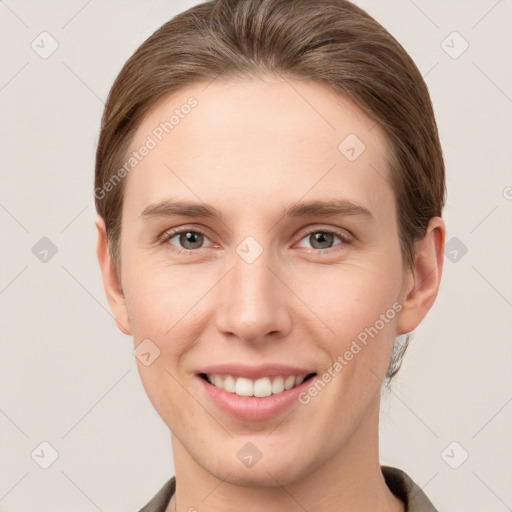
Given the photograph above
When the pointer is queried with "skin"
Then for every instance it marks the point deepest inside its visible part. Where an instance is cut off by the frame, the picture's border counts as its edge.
(249, 148)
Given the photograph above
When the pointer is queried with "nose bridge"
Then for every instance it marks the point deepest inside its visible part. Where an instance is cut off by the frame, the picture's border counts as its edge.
(252, 305)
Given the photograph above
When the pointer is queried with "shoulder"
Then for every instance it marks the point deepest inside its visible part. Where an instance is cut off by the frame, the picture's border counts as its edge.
(161, 499)
(402, 486)
(399, 483)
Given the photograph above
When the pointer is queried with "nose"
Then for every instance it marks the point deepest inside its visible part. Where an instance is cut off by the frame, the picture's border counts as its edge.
(253, 306)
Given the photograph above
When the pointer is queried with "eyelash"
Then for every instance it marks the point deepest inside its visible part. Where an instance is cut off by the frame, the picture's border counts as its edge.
(166, 237)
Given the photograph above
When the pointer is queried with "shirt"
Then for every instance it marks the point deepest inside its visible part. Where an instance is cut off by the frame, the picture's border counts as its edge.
(399, 483)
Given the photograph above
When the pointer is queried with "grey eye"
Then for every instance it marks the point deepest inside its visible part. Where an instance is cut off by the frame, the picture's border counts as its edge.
(321, 239)
(188, 239)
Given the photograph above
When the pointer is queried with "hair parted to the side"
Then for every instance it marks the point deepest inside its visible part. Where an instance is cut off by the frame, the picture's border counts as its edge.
(332, 42)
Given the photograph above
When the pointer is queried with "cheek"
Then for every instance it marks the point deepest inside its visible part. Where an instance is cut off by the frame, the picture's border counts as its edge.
(158, 295)
(351, 298)
(359, 304)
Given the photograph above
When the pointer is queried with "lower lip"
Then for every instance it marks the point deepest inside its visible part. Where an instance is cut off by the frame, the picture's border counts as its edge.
(252, 407)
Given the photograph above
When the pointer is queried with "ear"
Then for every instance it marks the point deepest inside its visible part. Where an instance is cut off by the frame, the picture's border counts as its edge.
(111, 284)
(422, 281)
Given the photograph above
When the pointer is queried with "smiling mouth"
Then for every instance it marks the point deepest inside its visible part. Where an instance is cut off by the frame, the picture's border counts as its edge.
(262, 387)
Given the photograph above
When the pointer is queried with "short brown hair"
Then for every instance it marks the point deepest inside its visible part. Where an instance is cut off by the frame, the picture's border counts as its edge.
(332, 42)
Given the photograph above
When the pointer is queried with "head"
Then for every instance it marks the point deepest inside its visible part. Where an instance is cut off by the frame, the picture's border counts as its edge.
(248, 108)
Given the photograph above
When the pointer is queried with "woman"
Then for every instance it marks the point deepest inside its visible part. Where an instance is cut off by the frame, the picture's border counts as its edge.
(269, 187)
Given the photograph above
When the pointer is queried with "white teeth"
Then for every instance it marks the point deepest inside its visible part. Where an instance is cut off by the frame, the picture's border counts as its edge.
(289, 382)
(278, 385)
(243, 387)
(229, 384)
(262, 387)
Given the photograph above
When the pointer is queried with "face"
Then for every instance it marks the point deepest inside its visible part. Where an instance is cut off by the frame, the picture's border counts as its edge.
(274, 284)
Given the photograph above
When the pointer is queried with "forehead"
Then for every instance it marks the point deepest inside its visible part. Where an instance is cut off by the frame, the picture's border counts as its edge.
(236, 142)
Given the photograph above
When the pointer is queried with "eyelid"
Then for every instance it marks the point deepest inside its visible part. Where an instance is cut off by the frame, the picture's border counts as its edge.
(172, 232)
(345, 236)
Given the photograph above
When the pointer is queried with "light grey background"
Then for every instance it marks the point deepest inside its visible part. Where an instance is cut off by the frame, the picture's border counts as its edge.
(68, 377)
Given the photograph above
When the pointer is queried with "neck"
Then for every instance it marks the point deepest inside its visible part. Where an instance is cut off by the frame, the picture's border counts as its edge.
(349, 480)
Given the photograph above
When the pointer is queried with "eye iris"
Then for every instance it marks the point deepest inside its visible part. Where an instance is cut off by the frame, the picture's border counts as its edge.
(323, 238)
(191, 237)
(194, 239)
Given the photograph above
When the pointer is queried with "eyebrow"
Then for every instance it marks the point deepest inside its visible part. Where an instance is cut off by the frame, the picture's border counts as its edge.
(338, 206)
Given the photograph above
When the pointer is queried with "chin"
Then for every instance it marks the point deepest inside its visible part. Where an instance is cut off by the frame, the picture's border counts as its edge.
(269, 471)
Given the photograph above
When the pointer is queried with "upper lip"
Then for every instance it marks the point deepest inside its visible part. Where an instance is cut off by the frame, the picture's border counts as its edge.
(255, 372)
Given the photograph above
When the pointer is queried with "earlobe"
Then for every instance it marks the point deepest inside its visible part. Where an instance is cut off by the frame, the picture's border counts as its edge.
(113, 289)
(423, 279)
